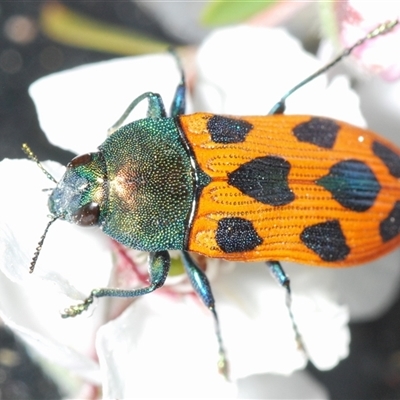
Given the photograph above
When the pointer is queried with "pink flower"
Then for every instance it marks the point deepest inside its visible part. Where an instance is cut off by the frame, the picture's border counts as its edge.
(351, 20)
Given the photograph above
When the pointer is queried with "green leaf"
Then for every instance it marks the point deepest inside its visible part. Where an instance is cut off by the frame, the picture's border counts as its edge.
(65, 26)
(224, 12)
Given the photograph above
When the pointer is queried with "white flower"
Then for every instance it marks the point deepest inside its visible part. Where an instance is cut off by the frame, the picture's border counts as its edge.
(163, 345)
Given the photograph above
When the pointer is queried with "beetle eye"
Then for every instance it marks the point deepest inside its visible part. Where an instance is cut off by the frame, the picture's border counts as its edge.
(87, 215)
(80, 160)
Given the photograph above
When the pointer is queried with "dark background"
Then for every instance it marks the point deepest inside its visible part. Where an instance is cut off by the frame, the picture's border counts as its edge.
(372, 371)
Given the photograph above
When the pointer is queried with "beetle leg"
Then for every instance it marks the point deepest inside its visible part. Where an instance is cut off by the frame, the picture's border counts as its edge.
(156, 109)
(283, 280)
(178, 105)
(158, 270)
(202, 287)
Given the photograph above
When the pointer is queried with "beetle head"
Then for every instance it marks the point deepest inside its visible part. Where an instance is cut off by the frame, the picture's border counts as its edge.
(79, 194)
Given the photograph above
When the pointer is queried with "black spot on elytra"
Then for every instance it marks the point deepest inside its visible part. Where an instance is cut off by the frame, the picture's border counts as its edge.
(390, 226)
(352, 184)
(228, 130)
(265, 179)
(326, 239)
(319, 131)
(389, 158)
(236, 235)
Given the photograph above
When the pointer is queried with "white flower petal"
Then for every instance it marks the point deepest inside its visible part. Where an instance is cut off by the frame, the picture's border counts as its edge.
(168, 350)
(23, 219)
(380, 103)
(56, 352)
(370, 289)
(257, 329)
(77, 106)
(299, 385)
(255, 322)
(31, 303)
(246, 70)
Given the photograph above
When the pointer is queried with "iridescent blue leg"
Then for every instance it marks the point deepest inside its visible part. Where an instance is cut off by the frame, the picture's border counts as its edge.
(159, 263)
(283, 280)
(202, 287)
(178, 105)
(156, 109)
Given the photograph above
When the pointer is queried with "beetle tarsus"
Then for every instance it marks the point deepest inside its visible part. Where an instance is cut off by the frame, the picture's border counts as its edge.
(78, 309)
(223, 366)
(280, 275)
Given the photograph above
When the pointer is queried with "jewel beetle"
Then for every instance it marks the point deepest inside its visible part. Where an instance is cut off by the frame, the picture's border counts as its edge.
(251, 188)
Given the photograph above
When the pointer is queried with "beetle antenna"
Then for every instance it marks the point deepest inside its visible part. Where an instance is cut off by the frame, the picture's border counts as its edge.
(382, 29)
(40, 244)
(26, 149)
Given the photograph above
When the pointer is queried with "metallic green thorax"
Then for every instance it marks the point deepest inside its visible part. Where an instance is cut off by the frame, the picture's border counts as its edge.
(140, 188)
(151, 186)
